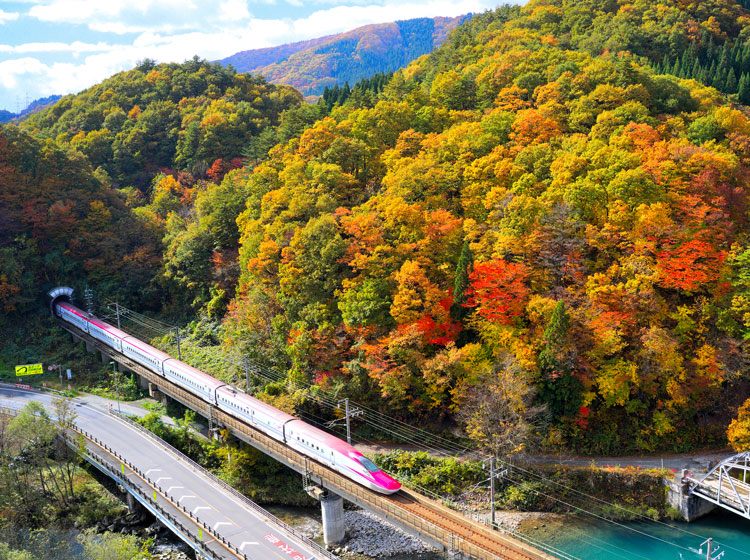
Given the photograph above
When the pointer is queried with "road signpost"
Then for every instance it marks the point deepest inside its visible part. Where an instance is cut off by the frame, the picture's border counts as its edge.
(29, 369)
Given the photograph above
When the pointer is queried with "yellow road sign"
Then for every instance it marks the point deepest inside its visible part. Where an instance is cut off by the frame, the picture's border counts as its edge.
(29, 369)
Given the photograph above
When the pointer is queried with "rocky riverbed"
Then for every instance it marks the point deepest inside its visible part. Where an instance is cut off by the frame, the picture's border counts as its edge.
(367, 535)
(373, 537)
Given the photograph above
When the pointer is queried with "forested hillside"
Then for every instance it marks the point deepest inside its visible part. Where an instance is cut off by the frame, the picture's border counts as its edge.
(60, 225)
(181, 117)
(535, 233)
(311, 66)
(531, 216)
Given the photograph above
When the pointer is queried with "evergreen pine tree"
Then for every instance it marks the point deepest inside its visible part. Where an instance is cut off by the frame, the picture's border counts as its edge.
(664, 67)
(463, 269)
(724, 57)
(461, 282)
(697, 72)
(720, 80)
(675, 70)
(743, 90)
(731, 85)
(710, 74)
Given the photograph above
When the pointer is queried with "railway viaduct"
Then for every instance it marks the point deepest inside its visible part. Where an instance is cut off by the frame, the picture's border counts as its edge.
(440, 526)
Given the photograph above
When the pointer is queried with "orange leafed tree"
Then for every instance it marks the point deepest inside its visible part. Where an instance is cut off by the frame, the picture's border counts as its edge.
(738, 433)
(498, 290)
(690, 265)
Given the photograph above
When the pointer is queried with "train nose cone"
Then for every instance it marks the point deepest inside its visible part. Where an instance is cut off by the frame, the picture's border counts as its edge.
(386, 482)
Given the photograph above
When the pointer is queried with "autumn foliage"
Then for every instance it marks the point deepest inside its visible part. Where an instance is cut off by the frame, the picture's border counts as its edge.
(539, 206)
(498, 290)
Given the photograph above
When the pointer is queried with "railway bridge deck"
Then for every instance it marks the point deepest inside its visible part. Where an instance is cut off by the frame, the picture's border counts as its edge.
(436, 524)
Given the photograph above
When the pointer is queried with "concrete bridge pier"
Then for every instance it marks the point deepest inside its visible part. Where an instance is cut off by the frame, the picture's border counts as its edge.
(143, 383)
(134, 506)
(334, 529)
(105, 358)
(154, 393)
(90, 348)
(691, 507)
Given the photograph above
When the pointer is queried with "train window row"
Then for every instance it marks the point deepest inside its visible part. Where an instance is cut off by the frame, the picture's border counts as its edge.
(143, 356)
(186, 379)
(309, 443)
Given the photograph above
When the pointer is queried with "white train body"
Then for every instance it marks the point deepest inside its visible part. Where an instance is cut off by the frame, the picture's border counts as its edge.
(304, 438)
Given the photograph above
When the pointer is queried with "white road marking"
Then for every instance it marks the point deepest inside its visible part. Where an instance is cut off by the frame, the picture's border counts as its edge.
(245, 543)
(152, 470)
(186, 497)
(198, 508)
(158, 480)
(175, 488)
(220, 523)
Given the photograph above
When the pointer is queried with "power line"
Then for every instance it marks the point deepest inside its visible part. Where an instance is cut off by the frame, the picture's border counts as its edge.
(393, 426)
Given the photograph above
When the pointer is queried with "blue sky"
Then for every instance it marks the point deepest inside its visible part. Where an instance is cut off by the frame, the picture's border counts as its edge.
(64, 46)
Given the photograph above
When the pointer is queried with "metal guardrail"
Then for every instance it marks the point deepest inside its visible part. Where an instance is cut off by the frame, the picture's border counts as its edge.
(219, 482)
(187, 513)
(379, 504)
(144, 498)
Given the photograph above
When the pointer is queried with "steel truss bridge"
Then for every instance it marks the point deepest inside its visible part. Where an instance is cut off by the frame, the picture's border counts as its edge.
(726, 485)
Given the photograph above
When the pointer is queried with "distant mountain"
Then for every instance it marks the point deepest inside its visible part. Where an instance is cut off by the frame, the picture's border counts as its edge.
(312, 65)
(33, 107)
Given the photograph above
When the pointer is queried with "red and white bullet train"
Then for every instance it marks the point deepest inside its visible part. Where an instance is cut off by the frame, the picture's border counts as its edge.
(284, 427)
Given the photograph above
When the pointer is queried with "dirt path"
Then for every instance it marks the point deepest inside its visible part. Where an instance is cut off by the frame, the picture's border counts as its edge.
(697, 460)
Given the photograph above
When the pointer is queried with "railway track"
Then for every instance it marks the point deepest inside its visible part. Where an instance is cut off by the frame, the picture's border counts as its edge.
(474, 534)
(432, 521)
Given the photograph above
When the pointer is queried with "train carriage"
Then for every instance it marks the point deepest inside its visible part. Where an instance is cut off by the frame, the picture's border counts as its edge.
(303, 437)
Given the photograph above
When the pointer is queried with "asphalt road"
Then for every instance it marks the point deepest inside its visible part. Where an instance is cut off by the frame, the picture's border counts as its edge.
(243, 527)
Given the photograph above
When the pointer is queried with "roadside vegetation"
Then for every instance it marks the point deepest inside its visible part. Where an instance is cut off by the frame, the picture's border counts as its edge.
(47, 494)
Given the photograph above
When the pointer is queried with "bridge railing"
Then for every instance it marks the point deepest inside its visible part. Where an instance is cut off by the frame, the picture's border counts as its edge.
(101, 462)
(219, 482)
(162, 492)
(332, 480)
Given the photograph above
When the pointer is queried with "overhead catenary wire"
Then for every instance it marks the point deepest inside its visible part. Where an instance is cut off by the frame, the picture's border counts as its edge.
(402, 430)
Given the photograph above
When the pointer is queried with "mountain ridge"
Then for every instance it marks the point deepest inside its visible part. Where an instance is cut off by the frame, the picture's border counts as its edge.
(313, 64)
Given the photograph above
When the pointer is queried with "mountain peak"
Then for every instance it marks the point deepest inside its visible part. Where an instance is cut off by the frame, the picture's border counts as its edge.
(312, 65)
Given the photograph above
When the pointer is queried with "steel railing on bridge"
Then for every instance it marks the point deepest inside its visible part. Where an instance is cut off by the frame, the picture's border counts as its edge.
(726, 484)
(431, 521)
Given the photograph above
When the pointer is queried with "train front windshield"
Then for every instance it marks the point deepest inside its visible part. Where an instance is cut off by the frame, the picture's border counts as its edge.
(369, 465)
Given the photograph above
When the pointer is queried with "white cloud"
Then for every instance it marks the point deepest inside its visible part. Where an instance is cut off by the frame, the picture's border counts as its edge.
(7, 16)
(135, 16)
(176, 30)
(11, 70)
(233, 10)
(77, 47)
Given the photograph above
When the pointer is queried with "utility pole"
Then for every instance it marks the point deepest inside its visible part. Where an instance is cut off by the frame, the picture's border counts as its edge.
(349, 413)
(179, 354)
(494, 473)
(492, 492)
(348, 426)
(88, 295)
(711, 550)
(117, 310)
(117, 386)
(247, 375)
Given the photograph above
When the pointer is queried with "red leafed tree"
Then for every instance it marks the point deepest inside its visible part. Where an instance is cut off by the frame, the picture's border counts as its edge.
(690, 265)
(437, 326)
(218, 170)
(498, 290)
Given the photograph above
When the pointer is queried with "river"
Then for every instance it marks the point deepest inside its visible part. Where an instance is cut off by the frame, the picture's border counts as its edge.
(587, 539)
(584, 538)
